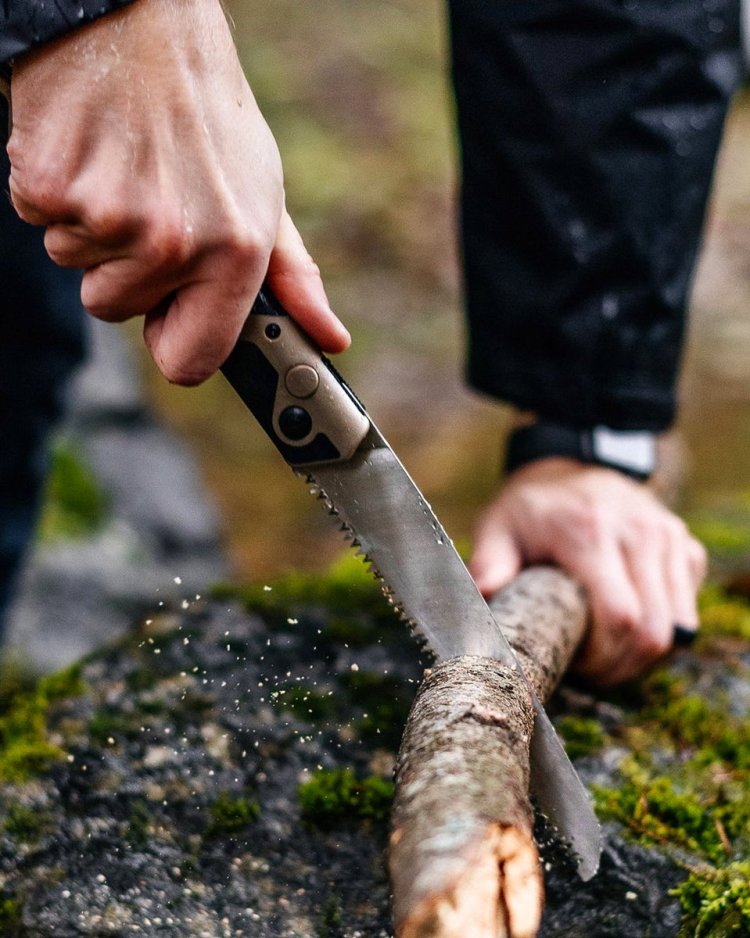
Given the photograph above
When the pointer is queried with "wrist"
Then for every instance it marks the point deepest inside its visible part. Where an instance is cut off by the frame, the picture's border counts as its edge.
(630, 452)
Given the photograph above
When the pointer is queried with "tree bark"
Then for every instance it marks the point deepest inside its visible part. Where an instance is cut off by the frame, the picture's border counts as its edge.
(462, 857)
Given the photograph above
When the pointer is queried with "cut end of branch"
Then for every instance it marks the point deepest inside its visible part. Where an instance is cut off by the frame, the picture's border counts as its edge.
(499, 894)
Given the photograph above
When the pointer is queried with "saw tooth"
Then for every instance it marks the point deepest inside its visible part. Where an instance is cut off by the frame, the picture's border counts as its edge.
(350, 536)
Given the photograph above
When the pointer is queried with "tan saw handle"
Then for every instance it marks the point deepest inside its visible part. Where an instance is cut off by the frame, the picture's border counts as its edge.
(297, 396)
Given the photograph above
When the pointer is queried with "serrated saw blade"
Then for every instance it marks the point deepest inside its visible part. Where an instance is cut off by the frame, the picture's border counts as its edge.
(376, 501)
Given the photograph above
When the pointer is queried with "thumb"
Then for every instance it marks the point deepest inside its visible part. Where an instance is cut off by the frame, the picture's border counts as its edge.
(295, 279)
(496, 558)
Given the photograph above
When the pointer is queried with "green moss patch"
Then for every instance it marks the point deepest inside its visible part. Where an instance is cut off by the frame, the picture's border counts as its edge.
(686, 784)
(25, 746)
(11, 918)
(25, 824)
(232, 814)
(345, 586)
(74, 503)
(716, 902)
(659, 813)
(331, 924)
(583, 736)
(333, 797)
(722, 614)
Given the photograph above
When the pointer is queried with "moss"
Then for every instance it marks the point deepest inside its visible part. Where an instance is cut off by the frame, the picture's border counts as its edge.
(141, 678)
(722, 614)
(331, 923)
(715, 902)
(723, 536)
(11, 918)
(709, 731)
(26, 824)
(231, 814)
(702, 802)
(25, 747)
(333, 797)
(657, 813)
(108, 724)
(583, 736)
(345, 587)
(74, 503)
(16, 678)
(139, 825)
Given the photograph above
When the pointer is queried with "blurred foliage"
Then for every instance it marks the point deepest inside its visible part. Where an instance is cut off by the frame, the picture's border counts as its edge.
(74, 502)
(722, 536)
(11, 918)
(723, 614)
(231, 814)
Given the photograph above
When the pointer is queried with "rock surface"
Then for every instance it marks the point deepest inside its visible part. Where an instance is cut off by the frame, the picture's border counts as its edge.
(76, 594)
(203, 709)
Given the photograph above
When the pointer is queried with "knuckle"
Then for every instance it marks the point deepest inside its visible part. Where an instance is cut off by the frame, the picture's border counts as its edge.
(45, 197)
(591, 521)
(107, 220)
(168, 244)
(625, 617)
(243, 246)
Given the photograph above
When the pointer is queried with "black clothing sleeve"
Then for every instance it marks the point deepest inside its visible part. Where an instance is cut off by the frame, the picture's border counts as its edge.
(589, 130)
(26, 24)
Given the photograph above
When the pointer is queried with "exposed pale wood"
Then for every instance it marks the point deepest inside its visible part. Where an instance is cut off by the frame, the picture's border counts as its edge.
(463, 862)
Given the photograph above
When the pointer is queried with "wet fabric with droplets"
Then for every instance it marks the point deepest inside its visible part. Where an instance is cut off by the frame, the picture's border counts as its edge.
(589, 132)
(26, 24)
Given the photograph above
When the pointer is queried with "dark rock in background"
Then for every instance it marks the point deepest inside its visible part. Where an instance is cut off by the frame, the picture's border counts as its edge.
(76, 594)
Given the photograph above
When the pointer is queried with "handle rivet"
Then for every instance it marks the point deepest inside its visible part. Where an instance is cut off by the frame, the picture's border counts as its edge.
(302, 381)
(295, 423)
(273, 330)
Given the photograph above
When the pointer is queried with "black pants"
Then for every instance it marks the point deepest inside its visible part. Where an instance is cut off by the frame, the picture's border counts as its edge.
(589, 130)
(41, 339)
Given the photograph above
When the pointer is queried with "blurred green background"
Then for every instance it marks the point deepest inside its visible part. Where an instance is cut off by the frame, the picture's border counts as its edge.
(358, 97)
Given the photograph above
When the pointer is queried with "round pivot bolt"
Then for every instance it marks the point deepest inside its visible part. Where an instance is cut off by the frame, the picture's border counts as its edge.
(295, 422)
(302, 381)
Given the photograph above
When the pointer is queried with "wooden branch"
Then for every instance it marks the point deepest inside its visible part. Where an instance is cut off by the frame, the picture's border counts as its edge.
(462, 858)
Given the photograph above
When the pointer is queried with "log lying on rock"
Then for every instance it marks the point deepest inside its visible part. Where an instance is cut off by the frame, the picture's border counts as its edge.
(463, 862)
